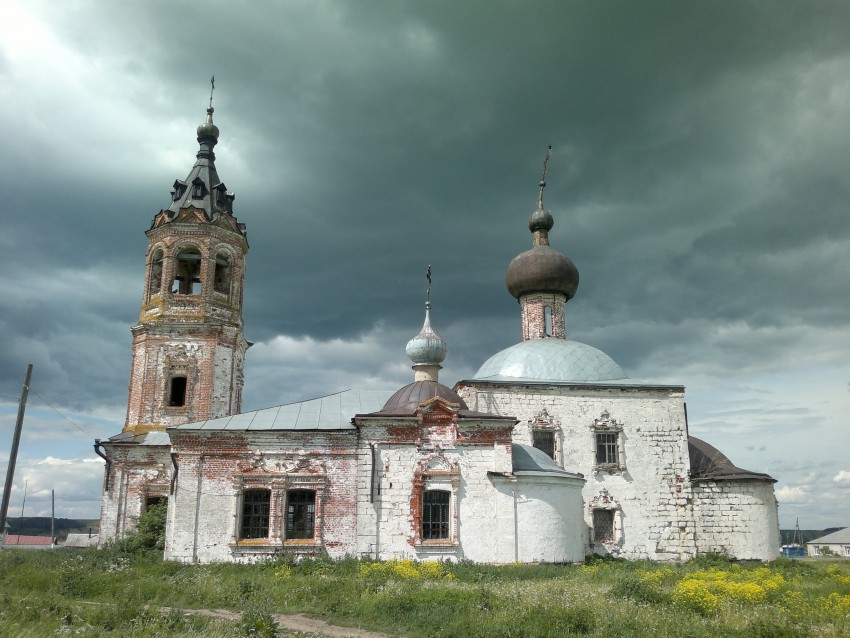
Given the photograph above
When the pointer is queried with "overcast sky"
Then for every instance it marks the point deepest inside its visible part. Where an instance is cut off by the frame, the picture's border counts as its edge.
(700, 181)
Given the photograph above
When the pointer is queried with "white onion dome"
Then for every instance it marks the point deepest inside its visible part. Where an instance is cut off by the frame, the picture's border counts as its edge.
(428, 347)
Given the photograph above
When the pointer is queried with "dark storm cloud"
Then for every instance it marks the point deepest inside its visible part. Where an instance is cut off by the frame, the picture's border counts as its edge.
(699, 181)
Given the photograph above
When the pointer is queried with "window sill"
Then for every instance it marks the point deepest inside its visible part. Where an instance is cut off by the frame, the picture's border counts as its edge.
(610, 468)
(443, 542)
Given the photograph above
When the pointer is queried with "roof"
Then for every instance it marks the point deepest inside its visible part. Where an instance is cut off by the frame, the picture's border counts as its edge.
(529, 461)
(551, 360)
(331, 412)
(707, 462)
(154, 437)
(842, 536)
(23, 539)
(407, 399)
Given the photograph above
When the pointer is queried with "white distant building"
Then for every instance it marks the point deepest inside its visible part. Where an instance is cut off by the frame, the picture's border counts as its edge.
(836, 544)
(548, 453)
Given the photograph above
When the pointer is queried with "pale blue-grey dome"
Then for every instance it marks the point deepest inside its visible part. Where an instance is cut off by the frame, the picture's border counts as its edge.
(550, 360)
(428, 347)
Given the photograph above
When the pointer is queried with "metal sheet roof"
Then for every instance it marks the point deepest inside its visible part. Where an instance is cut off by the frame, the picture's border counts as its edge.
(841, 536)
(331, 412)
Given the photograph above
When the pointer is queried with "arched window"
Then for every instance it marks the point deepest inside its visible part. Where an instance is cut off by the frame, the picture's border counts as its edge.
(155, 279)
(222, 273)
(187, 278)
(547, 327)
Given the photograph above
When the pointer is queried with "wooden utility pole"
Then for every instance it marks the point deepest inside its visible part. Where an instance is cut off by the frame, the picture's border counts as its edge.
(13, 455)
(52, 517)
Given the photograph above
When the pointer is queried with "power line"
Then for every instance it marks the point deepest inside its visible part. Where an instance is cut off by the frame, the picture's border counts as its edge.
(52, 407)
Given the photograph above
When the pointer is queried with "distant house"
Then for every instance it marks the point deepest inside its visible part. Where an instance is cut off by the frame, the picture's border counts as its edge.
(835, 544)
(81, 540)
(22, 541)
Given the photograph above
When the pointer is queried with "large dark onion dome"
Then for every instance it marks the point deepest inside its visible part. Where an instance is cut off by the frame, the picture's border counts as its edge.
(541, 269)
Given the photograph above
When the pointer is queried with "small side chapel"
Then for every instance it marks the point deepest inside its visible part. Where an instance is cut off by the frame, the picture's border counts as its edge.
(547, 454)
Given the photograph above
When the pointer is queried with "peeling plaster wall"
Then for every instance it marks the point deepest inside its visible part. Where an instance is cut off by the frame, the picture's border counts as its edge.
(407, 459)
(136, 473)
(650, 494)
(216, 466)
(737, 518)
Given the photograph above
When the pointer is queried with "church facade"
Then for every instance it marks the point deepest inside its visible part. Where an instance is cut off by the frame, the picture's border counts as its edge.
(547, 454)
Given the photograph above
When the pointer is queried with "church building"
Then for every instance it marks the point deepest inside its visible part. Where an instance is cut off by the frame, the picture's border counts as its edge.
(547, 454)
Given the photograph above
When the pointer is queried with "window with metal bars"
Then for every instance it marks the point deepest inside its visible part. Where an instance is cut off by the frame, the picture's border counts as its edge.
(435, 514)
(544, 440)
(300, 514)
(603, 526)
(607, 448)
(255, 514)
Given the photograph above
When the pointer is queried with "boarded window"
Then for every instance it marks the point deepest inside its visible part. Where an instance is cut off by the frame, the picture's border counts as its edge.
(603, 526)
(435, 514)
(255, 514)
(177, 392)
(544, 440)
(607, 448)
(300, 514)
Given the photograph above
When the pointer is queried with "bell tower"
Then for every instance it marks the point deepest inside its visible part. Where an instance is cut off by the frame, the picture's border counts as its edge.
(189, 347)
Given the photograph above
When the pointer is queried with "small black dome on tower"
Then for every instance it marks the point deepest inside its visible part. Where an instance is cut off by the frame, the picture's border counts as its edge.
(207, 128)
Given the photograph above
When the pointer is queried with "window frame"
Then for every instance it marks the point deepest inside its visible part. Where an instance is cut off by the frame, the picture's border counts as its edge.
(612, 513)
(549, 432)
(244, 502)
(443, 523)
(288, 532)
(604, 429)
(185, 390)
(607, 448)
(280, 487)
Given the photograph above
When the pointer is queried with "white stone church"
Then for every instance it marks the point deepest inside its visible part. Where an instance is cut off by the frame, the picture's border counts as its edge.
(547, 454)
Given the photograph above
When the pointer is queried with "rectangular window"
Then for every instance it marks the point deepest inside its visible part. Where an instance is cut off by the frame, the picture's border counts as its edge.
(300, 514)
(607, 448)
(847, 550)
(544, 440)
(435, 514)
(255, 514)
(603, 526)
(177, 394)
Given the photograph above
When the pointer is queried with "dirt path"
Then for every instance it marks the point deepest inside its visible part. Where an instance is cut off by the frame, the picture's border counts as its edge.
(292, 622)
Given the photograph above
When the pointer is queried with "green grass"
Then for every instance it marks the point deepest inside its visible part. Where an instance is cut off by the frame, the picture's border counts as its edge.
(120, 592)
